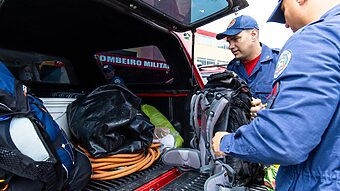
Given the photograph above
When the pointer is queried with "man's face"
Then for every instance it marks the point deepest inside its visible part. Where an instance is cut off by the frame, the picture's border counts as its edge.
(293, 16)
(109, 74)
(28, 73)
(241, 44)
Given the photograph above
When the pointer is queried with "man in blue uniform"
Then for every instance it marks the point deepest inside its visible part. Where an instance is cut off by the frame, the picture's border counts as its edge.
(110, 75)
(300, 130)
(254, 62)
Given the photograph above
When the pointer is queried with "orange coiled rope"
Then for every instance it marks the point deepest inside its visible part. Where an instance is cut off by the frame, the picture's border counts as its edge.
(119, 165)
(4, 184)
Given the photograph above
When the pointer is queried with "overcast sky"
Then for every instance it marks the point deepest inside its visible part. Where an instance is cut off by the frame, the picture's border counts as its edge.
(272, 34)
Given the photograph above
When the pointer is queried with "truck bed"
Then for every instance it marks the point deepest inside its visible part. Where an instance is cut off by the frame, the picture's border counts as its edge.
(185, 181)
(130, 182)
(194, 181)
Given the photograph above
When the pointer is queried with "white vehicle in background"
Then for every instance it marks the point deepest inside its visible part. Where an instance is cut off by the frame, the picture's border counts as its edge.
(207, 70)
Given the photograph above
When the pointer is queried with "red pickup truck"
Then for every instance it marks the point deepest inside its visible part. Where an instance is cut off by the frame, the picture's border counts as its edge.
(135, 37)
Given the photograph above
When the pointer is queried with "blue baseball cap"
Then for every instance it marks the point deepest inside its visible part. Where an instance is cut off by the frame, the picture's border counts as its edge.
(277, 16)
(237, 25)
(108, 68)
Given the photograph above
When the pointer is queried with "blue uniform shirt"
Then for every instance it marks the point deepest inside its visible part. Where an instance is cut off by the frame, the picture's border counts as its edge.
(261, 78)
(301, 130)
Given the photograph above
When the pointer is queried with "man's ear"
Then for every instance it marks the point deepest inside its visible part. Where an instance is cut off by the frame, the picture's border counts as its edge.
(254, 34)
(301, 2)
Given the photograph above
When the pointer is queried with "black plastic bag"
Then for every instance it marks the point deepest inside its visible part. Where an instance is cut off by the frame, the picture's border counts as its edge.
(108, 121)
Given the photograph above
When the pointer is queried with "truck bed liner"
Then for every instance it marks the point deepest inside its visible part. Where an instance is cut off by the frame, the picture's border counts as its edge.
(187, 181)
(194, 181)
(130, 182)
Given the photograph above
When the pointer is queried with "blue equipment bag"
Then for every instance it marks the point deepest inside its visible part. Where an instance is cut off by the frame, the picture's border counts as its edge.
(34, 151)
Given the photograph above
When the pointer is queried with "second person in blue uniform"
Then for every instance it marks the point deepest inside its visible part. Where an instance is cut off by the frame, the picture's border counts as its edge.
(254, 62)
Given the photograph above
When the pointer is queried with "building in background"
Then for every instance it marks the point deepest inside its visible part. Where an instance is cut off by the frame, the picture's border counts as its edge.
(208, 50)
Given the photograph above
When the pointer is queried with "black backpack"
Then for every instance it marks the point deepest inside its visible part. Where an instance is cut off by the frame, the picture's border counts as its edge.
(223, 105)
(35, 153)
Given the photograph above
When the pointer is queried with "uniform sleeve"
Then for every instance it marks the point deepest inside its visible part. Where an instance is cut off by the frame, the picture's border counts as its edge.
(302, 110)
(230, 66)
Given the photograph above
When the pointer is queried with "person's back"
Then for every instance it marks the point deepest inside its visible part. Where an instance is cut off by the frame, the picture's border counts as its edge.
(319, 79)
(254, 62)
(300, 128)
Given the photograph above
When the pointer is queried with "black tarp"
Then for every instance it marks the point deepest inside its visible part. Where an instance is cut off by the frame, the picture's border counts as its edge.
(108, 121)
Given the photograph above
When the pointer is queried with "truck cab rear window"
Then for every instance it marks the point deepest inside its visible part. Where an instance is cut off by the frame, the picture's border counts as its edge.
(141, 65)
(40, 68)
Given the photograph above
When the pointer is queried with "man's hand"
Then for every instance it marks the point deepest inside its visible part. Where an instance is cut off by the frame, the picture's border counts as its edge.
(256, 106)
(216, 143)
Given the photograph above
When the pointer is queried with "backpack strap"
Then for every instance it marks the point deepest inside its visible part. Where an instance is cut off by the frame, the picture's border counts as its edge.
(58, 137)
(55, 179)
(193, 119)
(208, 106)
(223, 178)
(218, 105)
(206, 162)
(198, 106)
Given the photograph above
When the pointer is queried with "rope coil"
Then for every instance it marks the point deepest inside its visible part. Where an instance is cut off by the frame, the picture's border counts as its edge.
(119, 165)
(3, 184)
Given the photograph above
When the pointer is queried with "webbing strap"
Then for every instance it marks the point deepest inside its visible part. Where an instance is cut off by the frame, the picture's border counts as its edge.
(193, 119)
(206, 163)
(198, 101)
(221, 180)
(192, 104)
(217, 107)
(205, 160)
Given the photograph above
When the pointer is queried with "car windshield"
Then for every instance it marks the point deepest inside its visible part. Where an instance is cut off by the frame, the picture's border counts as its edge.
(188, 11)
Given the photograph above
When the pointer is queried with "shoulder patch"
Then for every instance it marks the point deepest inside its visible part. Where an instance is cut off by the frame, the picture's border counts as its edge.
(283, 62)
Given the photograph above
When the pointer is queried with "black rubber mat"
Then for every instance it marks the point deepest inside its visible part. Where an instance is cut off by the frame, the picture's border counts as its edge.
(188, 181)
(194, 181)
